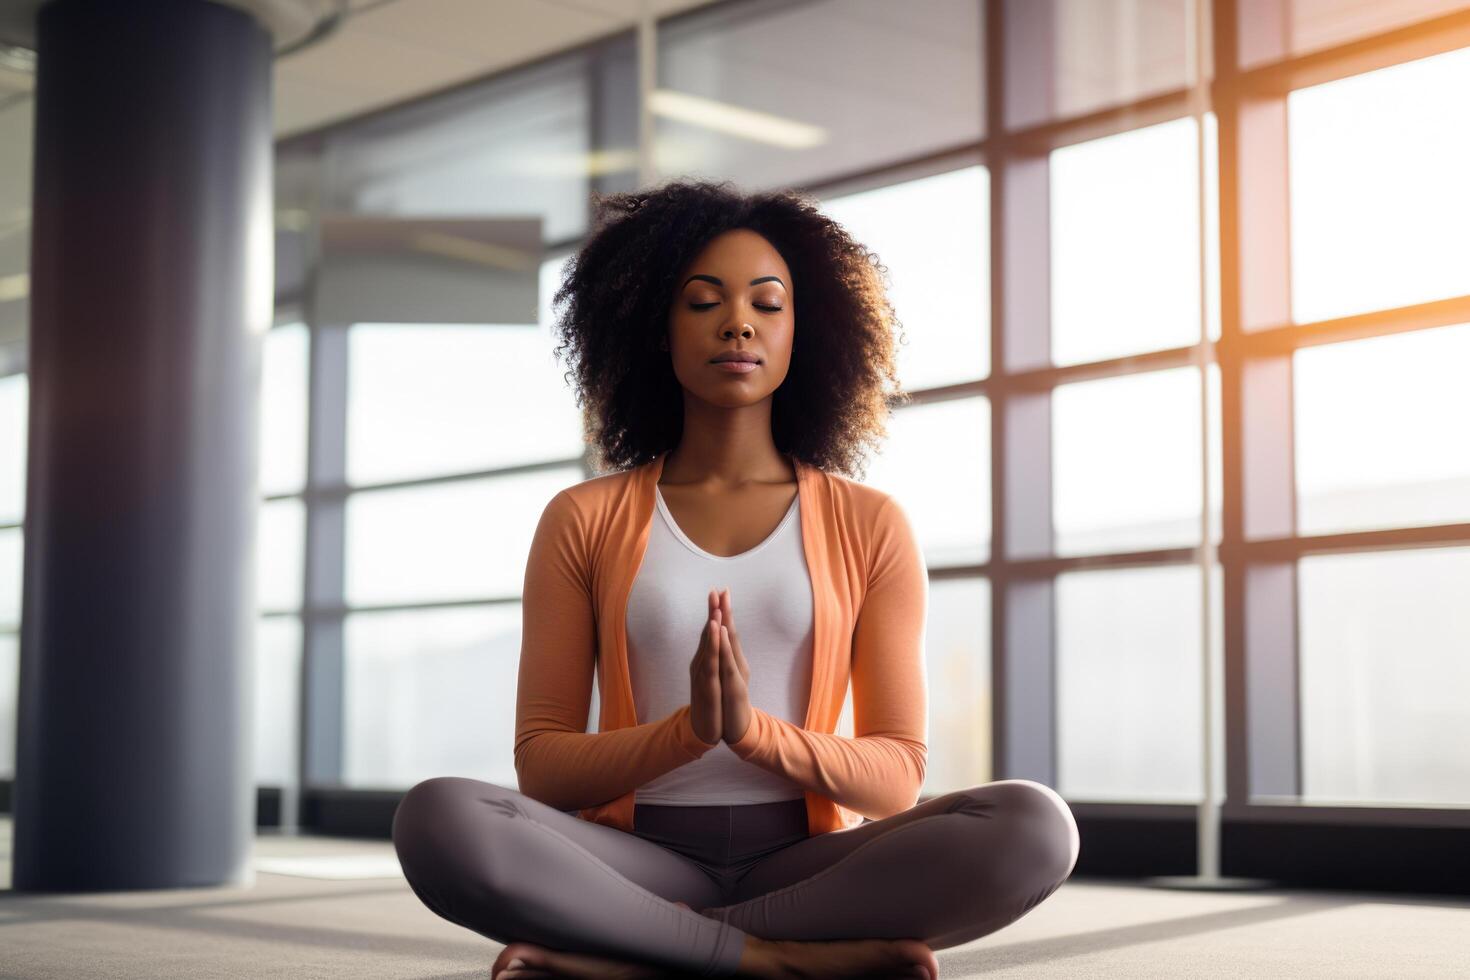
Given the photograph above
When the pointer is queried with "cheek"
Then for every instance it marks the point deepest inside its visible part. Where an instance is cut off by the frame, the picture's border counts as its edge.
(787, 339)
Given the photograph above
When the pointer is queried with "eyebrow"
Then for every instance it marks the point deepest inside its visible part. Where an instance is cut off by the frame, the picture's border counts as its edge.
(719, 282)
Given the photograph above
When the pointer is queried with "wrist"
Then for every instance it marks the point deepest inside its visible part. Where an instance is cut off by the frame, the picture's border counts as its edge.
(743, 743)
(691, 739)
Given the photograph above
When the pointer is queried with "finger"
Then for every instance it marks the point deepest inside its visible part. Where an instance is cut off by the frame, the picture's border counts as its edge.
(716, 660)
(737, 659)
(727, 653)
(708, 647)
(729, 621)
(727, 613)
(739, 656)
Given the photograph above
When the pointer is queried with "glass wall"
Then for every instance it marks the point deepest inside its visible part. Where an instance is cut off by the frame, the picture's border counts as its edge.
(1379, 457)
(1292, 375)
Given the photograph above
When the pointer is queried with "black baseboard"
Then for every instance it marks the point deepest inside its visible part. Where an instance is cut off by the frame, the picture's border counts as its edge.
(1290, 853)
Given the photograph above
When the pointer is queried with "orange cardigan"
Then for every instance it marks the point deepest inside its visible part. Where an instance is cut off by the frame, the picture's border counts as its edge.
(870, 593)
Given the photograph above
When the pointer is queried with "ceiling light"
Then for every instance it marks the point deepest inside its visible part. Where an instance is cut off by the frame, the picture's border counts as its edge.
(733, 120)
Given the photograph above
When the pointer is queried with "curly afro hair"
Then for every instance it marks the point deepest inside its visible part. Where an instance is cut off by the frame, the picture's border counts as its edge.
(613, 308)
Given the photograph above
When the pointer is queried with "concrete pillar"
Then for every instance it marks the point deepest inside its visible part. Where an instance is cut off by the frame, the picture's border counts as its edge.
(150, 293)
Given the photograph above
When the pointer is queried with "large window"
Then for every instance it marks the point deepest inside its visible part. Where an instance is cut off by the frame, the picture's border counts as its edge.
(1379, 467)
(1155, 364)
(931, 234)
(456, 437)
(1187, 318)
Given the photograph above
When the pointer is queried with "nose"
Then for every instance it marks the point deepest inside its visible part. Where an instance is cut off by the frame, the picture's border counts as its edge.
(746, 331)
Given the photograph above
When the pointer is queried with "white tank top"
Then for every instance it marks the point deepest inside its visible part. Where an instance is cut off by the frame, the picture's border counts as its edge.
(771, 598)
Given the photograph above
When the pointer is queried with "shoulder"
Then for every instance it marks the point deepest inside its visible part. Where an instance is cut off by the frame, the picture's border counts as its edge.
(586, 503)
(869, 508)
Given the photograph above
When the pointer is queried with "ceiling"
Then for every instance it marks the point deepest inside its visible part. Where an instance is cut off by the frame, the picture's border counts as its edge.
(383, 52)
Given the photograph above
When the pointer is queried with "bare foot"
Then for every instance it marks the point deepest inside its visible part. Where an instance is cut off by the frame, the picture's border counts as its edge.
(852, 959)
(540, 963)
(870, 959)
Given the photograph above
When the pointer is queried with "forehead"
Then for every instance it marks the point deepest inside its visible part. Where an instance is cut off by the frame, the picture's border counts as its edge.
(741, 249)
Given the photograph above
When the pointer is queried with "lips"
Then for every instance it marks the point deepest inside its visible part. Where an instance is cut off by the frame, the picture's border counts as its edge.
(735, 367)
(738, 355)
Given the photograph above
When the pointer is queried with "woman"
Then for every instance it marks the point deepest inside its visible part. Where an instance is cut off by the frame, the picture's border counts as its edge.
(716, 824)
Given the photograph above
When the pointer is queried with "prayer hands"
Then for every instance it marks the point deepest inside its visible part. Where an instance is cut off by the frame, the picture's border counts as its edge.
(719, 701)
(734, 676)
(705, 702)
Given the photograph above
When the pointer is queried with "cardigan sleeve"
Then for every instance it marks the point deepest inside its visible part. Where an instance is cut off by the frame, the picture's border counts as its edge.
(557, 761)
(880, 770)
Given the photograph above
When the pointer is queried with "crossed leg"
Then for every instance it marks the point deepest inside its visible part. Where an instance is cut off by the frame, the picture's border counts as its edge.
(513, 869)
(950, 870)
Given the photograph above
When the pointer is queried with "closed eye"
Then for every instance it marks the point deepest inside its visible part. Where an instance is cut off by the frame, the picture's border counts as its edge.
(701, 307)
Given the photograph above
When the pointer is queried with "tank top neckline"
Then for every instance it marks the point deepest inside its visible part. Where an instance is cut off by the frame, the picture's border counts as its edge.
(678, 532)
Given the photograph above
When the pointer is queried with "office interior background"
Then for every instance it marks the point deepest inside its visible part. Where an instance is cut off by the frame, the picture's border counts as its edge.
(1186, 289)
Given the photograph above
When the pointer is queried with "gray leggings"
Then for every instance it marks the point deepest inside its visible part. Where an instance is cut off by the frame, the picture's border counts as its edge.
(947, 871)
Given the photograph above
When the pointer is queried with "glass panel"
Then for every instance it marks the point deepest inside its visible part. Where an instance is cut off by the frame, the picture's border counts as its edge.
(1379, 200)
(9, 701)
(283, 386)
(1079, 56)
(933, 234)
(1310, 25)
(425, 400)
(957, 651)
(465, 539)
(280, 554)
(512, 146)
(1126, 462)
(1128, 684)
(1380, 432)
(936, 463)
(294, 176)
(1214, 446)
(277, 694)
(431, 693)
(14, 413)
(12, 557)
(17, 126)
(777, 94)
(1385, 677)
(1125, 244)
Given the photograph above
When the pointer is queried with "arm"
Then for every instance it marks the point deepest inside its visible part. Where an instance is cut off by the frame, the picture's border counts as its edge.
(879, 771)
(557, 761)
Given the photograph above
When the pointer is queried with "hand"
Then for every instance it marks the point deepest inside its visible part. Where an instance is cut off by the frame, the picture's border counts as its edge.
(705, 708)
(734, 676)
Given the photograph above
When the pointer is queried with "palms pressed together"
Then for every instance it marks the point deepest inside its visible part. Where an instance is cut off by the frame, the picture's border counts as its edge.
(719, 710)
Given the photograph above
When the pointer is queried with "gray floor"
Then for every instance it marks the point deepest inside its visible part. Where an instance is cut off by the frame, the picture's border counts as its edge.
(290, 925)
